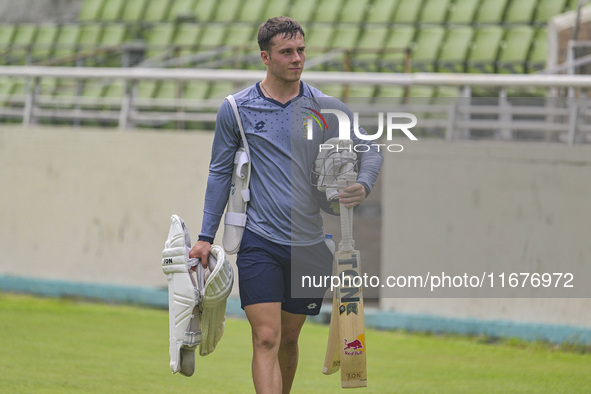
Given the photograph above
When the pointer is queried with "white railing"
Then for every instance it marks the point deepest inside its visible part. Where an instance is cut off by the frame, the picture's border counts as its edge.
(553, 117)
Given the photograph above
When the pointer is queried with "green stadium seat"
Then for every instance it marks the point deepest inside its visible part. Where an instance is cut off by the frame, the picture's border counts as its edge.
(408, 11)
(186, 38)
(156, 11)
(491, 12)
(369, 47)
(520, 12)
(113, 34)
(66, 43)
(45, 39)
(6, 34)
(146, 89)
(539, 52)
(134, 10)
(274, 8)
(212, 36)
(546, 9)
(169, 90)
(302, 10)
(112, 10)
(426, 48)
(515, 49)
(5, 88)
(22, 41)
(91, 10)
(361, 91)
(399, 40)
(390, 93)
(90, 36)
(114, 89)
(332, 89)
(484, 50)
(572, 5)
(181, 9)
(227, 10)
(454, 50)
(327, 11)
(419, 92)
(159, 39)
(319, 39)
(434, 11)
(447, 92)
(252, 13)
(240, 37)
(219, 90)
(381, 11)
(196, 90)
(354, 11)
(345, 38)
(462, 12)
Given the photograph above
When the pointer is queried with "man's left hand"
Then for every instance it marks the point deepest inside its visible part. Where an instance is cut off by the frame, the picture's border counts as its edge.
(352, 195)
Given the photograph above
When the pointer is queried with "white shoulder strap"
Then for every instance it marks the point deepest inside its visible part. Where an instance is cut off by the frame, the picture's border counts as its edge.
(232, 102)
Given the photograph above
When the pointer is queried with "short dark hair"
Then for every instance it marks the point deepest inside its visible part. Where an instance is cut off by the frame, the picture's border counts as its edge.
(278, 25)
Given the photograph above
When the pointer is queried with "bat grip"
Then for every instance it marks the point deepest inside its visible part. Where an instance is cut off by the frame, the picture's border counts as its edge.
(346, 213)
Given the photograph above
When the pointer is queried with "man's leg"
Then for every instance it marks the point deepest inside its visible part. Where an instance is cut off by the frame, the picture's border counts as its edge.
(291, 325)
(265, 322)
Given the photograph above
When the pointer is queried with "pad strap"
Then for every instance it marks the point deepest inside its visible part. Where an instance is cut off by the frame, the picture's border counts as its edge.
(235, 219)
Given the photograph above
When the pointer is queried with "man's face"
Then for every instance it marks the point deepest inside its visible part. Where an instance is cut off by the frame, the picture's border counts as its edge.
(285, 59)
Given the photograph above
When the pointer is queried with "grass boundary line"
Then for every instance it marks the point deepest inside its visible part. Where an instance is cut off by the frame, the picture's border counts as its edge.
(374, 318)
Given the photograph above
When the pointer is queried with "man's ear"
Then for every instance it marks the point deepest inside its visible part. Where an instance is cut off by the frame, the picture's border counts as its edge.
(265, 57)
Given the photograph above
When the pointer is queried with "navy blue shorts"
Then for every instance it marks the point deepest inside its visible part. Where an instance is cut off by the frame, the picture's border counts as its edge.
(269, 272)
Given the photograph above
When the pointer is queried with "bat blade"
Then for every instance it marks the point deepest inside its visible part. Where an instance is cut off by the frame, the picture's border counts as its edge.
(332, 361)
(351, 320)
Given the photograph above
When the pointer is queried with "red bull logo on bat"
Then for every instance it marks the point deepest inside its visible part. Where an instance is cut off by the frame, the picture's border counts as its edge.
(356, 346)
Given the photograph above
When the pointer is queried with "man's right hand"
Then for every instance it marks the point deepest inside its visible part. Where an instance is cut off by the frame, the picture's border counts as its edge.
(201, 251)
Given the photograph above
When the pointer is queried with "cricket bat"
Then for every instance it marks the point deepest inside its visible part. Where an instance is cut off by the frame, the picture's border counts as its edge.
(347, 318)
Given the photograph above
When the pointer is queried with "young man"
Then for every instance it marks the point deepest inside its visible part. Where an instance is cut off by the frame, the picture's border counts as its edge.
(284, 225)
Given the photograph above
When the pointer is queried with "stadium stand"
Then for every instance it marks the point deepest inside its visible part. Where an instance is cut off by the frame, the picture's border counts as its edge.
(475, 36)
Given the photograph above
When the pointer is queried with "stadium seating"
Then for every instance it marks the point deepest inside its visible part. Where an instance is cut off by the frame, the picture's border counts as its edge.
(454, 50)
(462, 12)
(506, 36)
(407, 11)
(546, 9)
(398, 42)
(434, 12)
(491, 12)
(515, 49)
(483, 53)
(520, 12)
(381, 11)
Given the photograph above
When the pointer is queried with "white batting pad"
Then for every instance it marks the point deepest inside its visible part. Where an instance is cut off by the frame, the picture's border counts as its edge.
(219, 278)
(182, 290)
(235, 218)
(196, 298)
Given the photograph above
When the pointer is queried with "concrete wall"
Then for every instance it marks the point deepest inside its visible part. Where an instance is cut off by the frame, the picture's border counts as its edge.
(94, 205)
(489, 207)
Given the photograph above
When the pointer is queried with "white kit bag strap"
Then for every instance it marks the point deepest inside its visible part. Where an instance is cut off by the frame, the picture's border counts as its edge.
(235, 218)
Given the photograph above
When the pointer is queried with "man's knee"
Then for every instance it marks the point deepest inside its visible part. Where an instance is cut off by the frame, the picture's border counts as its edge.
(266, 337)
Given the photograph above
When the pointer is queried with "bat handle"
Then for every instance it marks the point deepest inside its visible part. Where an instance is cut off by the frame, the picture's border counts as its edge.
(346, 213)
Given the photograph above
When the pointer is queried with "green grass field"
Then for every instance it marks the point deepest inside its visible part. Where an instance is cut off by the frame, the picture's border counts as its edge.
(65, 346)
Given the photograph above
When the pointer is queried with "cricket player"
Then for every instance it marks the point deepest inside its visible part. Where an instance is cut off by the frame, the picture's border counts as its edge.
(284, 225)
